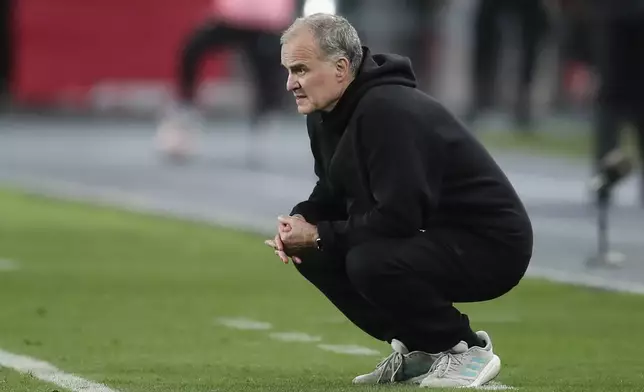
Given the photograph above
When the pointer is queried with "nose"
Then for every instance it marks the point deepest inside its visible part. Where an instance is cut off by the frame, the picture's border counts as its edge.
(292, 83)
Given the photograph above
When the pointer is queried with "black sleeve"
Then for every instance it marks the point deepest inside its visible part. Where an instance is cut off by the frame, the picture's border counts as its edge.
(322, 204)
(403, 167)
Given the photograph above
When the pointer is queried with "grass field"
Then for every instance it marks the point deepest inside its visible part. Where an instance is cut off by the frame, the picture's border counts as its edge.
(567, 143)
(130, 301)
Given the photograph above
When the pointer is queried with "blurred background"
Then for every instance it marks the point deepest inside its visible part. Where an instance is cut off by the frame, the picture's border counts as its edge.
(180, 105)
(536, 58)
(121, 57)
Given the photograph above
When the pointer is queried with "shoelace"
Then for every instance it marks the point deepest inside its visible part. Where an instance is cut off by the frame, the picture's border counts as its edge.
(393, 363)
(445, 363)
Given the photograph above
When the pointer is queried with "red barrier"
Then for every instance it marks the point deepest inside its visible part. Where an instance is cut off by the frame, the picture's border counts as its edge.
(64, 48)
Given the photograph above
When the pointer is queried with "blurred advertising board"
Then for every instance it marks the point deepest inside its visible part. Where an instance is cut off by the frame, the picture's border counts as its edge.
(89, 53)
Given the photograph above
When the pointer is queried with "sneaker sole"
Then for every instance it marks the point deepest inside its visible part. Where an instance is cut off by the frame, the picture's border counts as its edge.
(414, 380)
(489, 372)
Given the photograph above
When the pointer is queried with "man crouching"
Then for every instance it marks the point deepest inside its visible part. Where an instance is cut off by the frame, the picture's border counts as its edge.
(410, 214)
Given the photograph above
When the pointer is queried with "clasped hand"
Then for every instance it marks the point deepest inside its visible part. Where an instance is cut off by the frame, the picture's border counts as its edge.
(294, 234)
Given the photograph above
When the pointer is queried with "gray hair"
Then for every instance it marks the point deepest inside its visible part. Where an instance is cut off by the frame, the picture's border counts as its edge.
(335, 36)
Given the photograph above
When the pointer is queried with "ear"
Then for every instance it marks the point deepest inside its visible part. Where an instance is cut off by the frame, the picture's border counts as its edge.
(342, 69)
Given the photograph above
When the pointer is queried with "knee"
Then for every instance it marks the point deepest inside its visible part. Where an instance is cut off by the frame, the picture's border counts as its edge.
(367, 268)
(313, 264)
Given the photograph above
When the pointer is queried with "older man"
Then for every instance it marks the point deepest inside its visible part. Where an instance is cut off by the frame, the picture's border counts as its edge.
(410, 214)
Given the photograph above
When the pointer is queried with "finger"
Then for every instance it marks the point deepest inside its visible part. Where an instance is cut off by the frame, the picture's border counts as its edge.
(282, 256)
(271, 243)
(279, 245)
(297, 260)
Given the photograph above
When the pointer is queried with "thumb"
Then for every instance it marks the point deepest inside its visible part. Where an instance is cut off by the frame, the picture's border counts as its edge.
(285, 219)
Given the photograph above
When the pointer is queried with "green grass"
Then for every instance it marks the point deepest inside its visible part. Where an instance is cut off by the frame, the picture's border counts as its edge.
(17, 382)
(562, 143)
(129, 300)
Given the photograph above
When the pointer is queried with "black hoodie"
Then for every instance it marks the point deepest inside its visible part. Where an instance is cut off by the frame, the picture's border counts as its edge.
(392, 161)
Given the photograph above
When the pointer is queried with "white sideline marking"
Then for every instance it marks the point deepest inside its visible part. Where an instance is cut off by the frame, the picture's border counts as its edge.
(47, 372)
(243, 323)
(585, 279)
(8, 265)
(350, 349)
(495, 386)
(237, 218)
(294, 337)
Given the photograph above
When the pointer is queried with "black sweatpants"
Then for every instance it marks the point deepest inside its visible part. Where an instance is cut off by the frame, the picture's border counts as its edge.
(531, 16)
(261, 49)
(405, 289)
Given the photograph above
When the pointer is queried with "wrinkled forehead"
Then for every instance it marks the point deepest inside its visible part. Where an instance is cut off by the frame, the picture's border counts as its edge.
(299, 47)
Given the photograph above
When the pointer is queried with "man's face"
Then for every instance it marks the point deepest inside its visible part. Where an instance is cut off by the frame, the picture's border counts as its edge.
(316, 83)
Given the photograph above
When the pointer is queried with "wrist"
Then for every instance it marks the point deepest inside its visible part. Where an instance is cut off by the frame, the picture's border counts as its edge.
(314, 238)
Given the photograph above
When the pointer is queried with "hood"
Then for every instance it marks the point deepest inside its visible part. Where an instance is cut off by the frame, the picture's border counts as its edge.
(376, 70)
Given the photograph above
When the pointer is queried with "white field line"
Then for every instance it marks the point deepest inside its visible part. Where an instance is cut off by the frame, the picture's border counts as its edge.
(8, 265)
(243, 323)
(234, 218)
(495, 386)
(350, 349)
(294, 337)
(47, 372)
(585, 279)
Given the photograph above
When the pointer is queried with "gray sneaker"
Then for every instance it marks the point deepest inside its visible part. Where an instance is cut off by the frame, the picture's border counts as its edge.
(464, 367)
(401, 366)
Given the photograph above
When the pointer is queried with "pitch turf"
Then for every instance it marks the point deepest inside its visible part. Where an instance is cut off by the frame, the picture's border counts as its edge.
(131, 301)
